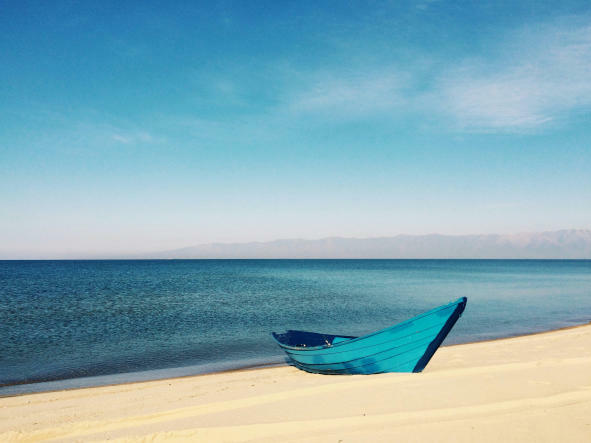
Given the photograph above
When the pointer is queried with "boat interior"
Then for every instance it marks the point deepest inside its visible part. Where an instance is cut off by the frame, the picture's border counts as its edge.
(303, 339)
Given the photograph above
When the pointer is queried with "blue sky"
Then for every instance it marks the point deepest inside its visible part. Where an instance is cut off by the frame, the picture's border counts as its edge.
(150, 126)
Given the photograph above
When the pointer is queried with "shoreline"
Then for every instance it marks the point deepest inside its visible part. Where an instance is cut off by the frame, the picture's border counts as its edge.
(254, 367)
(534, 387)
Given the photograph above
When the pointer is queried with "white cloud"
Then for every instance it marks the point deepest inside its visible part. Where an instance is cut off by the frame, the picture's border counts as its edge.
(134, 137)
(541, 78)
(353, 95)
(122, 138)
(531, 79)
(425, 4)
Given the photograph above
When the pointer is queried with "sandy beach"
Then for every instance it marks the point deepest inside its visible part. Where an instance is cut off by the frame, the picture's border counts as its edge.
(529, 388)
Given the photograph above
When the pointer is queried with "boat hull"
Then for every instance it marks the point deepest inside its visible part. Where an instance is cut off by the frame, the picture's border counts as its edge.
(405, 347)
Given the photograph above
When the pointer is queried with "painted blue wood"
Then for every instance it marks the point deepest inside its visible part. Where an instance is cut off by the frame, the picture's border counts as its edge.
(405, 347)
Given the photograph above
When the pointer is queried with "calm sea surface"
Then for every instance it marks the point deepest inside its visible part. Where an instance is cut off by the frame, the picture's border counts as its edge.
(81, 323)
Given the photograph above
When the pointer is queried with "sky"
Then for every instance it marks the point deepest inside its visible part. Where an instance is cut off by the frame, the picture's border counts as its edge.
(145, 126)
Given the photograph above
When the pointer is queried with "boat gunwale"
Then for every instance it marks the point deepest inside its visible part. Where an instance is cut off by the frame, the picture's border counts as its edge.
(362, 337)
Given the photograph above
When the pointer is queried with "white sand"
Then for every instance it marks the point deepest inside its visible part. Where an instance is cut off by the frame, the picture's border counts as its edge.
(531, 388)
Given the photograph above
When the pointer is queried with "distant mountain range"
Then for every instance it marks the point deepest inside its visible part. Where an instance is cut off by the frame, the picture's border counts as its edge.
(564, 244)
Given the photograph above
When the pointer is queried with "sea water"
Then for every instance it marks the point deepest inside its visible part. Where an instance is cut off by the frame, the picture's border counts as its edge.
(83, 323)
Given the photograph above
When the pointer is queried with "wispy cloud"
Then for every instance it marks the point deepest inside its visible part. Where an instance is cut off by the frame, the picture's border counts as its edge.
(531, 79)
(536, 80)
(84, 131)
(85, 134)
(353, 95)
(134, 137)
(425, 4)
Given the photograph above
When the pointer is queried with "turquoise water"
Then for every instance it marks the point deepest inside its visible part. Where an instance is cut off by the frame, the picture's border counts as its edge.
(82, 323)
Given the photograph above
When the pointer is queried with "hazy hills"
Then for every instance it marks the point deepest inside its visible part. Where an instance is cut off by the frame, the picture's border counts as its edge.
(564, 244)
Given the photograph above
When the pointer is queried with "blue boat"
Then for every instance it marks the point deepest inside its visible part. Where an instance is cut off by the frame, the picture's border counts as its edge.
(405, 347)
